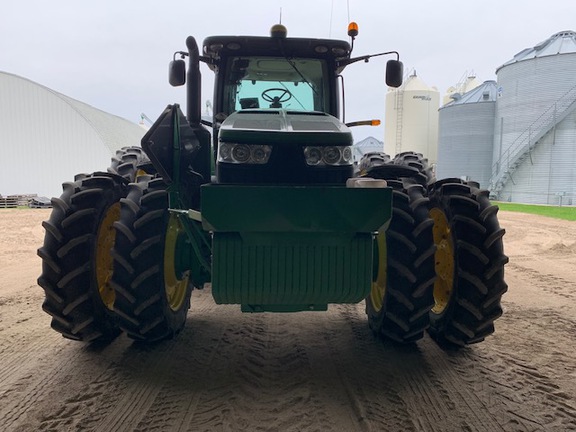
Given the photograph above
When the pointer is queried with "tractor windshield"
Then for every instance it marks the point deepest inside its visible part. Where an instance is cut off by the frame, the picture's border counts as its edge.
(269, 82)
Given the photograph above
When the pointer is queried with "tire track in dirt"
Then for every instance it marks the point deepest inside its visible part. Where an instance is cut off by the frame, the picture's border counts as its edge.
(550, 283)
(21, 348)
(305, 372)
(192, 370)
(113, 385)
(483, 386)
(417, 377)
(45, 382)
(259, 372)
(545, 381)
(38, 365)
(340, 374)
(520, 390)
(177, 399)
(131, 379)
(140, 389)
(85, 409)
(27, 369)
(277, 365)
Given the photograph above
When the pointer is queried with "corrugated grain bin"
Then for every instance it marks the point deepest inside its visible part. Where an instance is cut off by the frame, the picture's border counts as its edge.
(466, 135)
(466, 84)
(535, 126)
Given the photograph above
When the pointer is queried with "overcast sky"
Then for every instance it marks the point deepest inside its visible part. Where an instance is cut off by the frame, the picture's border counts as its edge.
(114, 54)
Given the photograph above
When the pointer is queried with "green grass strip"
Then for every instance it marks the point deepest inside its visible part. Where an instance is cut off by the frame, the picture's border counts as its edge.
(564, 212)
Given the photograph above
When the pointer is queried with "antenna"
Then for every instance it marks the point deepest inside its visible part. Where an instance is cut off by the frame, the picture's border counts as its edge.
(331, 16)
(280, 16)
(348, 7)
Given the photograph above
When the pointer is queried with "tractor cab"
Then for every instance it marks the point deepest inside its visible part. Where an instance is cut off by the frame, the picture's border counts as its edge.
(294, 74)
(275, 110)
(277, 117)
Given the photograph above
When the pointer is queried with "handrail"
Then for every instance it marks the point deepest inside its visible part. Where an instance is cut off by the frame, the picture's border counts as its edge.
(527, 140)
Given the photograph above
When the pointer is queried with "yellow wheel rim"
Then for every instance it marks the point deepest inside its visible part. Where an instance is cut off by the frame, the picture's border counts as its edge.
(176, 287)
(444, 261)
(378, 288)
(104, 262)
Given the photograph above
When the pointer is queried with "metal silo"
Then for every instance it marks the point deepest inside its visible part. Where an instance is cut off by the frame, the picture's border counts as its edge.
(367, 145)
(466, 135)
(467, 82)
(412, 119)
(535, 125)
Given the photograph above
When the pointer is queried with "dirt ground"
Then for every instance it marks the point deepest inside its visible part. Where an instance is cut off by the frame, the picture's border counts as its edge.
(310, 371)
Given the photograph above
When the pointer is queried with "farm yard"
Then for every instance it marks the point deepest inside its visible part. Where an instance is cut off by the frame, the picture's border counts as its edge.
(309, 371)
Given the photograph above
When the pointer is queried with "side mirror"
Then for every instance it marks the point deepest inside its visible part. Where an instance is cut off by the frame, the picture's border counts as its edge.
(177, 73)
(394, 73)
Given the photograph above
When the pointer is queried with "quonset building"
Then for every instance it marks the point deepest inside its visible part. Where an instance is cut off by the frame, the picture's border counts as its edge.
(46, 138)
(531, 134)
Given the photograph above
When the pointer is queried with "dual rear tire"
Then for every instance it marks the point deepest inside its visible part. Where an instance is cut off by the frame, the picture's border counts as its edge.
(152, 289)
(440, 263)
(401, 294)
(469, 263)
(103, 230)
(76, 263)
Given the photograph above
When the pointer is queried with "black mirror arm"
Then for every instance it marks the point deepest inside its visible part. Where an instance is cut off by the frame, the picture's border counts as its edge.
(182, 55)
(366, 58)
(207, 60)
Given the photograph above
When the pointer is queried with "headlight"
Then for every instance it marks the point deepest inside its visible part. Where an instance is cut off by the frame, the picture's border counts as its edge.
(330, 155)
(243, 153)
(313, 155)
(260, 154)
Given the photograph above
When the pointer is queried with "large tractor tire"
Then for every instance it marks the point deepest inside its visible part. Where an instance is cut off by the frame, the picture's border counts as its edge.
(76, 263)
(469, 263)
(152, 288)
(401, 295)
(404, 165)
(419, 162)
(128, 162)
(371, 160)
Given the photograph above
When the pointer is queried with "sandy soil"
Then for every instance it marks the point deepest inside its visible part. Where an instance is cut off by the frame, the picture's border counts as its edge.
(296, 372)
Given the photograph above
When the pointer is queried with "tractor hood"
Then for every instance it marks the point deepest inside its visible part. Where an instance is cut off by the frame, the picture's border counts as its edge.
(279, 126)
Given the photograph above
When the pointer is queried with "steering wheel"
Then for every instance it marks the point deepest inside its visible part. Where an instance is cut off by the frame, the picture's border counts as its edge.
(276, 101)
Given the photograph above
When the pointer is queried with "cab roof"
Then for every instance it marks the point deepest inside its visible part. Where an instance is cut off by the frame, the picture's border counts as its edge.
(217, 47)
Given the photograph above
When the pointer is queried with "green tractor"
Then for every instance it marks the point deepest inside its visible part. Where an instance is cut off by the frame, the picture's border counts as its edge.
(263, 202)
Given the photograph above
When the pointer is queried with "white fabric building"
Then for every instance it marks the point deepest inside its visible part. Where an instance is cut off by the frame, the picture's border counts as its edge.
(46, 138)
